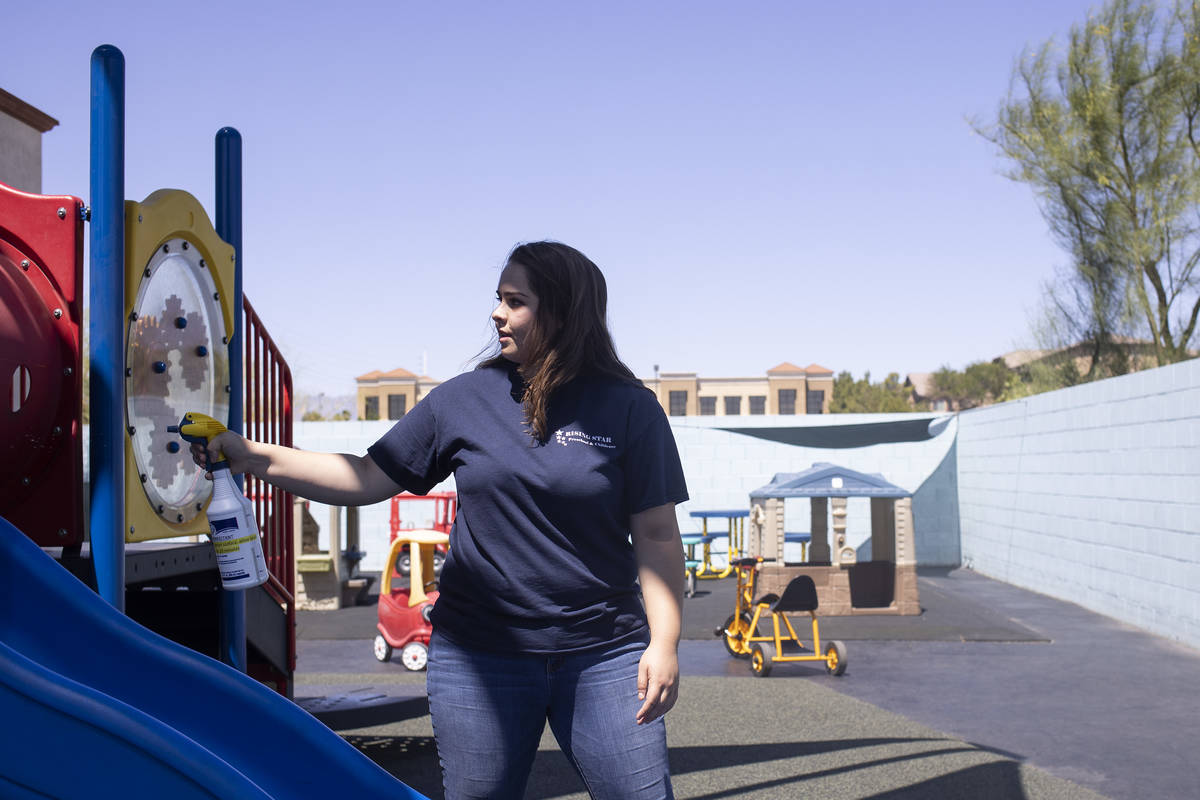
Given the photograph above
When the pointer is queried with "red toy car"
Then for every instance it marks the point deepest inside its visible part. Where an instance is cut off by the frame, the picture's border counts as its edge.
(404, 610)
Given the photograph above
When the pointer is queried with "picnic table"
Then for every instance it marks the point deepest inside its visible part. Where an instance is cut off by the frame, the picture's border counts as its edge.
(703, 566)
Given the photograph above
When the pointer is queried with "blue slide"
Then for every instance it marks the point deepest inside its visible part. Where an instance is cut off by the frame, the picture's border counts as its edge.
(94, 705)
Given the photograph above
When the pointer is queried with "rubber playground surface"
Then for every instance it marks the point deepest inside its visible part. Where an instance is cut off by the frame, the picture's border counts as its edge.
(992, 692)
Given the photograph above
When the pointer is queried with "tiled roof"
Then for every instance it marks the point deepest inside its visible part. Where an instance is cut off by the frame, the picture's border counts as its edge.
(376, 375)
(785, 367)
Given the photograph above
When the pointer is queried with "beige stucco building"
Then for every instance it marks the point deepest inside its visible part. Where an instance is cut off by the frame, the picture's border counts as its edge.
(785, 389)
(21, 129)
(390, 395)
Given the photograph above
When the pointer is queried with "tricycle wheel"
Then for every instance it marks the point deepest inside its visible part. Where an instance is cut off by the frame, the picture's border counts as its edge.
(414, 656)
(761, 656)
(383, 650)
(835, 657)
(735, 635)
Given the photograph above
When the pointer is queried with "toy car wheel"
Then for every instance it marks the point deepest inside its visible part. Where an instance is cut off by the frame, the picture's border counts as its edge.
(835, 658)
(439, 558)
(761, 656)
(403, 563)
(735, 633)
(414, 656)
(383, 650)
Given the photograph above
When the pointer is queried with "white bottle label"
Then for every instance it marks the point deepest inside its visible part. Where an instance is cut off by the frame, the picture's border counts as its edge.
(239, 552)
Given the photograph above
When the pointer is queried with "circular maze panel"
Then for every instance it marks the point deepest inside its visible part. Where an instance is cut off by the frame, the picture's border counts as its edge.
(177, 361)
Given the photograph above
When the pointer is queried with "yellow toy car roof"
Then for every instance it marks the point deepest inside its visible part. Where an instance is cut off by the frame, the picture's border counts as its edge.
(422, 563)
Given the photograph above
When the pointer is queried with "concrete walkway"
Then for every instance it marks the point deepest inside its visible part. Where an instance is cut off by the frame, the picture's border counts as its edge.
(993, 692)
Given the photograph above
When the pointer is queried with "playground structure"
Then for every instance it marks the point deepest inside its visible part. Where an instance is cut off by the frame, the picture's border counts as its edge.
(144, 716)
(41, 445)
(887, 584)
(170, 332)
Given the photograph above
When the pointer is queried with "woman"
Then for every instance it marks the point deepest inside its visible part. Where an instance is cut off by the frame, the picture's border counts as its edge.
(567, 476)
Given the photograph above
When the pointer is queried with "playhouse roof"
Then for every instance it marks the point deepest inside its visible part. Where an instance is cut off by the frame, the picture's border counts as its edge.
(828, 480)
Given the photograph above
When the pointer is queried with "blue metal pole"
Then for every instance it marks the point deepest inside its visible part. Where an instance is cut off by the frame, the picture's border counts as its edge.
(107, 326)
(229, 228)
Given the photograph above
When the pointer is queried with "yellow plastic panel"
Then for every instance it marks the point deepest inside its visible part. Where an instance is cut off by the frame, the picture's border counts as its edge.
(178, 280)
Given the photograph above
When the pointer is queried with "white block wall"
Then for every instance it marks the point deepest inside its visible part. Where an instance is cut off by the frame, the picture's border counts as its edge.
(1092, 494)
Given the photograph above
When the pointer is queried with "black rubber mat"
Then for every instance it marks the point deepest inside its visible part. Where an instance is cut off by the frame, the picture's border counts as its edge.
(948, 614)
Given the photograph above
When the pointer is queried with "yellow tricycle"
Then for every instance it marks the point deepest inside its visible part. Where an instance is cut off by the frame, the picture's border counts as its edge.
(736, 631)
(740, 632)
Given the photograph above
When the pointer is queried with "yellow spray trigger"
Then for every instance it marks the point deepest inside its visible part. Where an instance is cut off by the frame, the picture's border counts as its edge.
(196, 427)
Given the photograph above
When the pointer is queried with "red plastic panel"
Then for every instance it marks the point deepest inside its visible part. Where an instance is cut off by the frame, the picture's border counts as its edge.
(41, 401)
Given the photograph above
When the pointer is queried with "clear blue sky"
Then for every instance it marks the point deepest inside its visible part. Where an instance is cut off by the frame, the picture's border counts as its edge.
(760, 182)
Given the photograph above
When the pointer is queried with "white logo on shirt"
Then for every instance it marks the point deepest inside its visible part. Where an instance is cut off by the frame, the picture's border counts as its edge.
(565, 437)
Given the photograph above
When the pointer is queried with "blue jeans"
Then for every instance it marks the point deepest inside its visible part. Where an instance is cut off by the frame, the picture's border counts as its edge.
(489, 710)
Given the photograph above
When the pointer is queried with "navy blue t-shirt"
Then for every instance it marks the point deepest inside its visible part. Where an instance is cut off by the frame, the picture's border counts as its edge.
(540, 559)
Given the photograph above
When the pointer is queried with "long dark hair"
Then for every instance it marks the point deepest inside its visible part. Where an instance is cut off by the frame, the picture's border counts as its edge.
(570, 336)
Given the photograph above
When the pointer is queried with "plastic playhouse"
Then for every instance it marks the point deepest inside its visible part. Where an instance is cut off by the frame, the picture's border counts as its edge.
(886, 584)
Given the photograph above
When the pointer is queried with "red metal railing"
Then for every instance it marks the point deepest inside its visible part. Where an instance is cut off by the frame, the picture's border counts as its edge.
(268, 418)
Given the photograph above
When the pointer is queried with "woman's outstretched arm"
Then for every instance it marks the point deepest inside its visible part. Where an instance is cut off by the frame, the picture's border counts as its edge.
(333, 478)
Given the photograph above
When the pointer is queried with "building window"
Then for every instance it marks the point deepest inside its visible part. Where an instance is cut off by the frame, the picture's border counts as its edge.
(708, 406)
(787, 401)
(397, 405)
(733, 406)
(816, 401)
(677, 404)
(758, 404)
(371, 409)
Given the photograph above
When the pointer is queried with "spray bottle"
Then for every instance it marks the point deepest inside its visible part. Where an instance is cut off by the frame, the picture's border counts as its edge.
(231, 522)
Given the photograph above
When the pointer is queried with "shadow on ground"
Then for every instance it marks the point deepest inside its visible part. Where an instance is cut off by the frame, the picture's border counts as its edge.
(414, 759)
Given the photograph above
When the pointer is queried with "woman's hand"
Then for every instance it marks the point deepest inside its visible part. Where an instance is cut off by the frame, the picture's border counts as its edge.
(227, 446)
(659, 554)
(658, 682)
